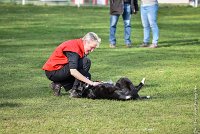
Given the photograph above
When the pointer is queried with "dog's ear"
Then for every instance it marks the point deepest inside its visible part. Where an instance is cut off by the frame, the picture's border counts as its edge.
(118, 84)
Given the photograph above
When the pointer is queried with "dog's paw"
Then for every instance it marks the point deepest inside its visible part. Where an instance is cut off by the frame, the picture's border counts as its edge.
(143, 81)
(148, 97)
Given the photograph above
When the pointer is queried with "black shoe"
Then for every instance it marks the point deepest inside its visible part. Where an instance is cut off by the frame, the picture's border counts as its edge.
(56, 87)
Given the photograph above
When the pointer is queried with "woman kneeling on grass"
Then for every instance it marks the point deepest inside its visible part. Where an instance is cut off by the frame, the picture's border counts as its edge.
(68, 62)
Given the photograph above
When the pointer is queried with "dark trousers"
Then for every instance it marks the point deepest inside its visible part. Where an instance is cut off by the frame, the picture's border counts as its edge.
(63, 76)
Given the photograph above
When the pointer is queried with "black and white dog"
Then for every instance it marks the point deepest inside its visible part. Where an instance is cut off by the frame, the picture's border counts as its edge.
(122, 90)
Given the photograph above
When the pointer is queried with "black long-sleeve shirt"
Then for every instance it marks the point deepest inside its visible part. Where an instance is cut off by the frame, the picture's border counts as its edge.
(73, 59)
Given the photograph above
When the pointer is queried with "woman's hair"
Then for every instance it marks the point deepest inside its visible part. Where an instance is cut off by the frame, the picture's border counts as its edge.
(92, 36)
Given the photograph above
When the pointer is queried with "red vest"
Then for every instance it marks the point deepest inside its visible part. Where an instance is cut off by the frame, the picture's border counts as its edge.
(57, 59)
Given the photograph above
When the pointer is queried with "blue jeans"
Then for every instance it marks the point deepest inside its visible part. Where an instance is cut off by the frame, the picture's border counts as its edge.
(149, 22)
(127, 25)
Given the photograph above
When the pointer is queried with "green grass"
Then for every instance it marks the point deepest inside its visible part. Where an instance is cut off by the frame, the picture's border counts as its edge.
(29, 34)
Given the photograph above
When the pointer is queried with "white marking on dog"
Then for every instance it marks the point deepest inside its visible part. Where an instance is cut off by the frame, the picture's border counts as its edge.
(128, 97)
(143, 80)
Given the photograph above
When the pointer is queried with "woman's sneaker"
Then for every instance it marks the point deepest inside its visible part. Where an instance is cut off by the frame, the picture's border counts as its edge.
(144, 45)
(112, 46)
(56, 87)
(153, 46)
(129, 45)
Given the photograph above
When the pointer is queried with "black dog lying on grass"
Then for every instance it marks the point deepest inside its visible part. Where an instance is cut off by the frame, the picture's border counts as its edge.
(122, 90)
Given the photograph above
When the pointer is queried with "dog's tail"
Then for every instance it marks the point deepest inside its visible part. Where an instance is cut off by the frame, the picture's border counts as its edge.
(145, 97)
(140, 85)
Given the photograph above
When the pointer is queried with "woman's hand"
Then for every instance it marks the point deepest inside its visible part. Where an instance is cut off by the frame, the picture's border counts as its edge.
(95, 83)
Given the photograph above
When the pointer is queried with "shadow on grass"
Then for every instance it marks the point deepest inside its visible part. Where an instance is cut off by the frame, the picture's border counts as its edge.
(174, 95)
(8, 104)
(186, 42)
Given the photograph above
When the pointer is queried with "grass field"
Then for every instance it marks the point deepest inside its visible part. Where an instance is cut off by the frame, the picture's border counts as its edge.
(29, 34)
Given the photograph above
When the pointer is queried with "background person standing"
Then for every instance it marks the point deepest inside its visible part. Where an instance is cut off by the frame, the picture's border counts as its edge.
(124, 8)
(149, 11)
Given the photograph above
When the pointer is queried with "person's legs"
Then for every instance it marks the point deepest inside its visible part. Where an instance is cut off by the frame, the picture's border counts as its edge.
(55, 86)
(152, 17)
(145, 24)
(127, 23)
(62, 77)
(113, 24)
(59, 78)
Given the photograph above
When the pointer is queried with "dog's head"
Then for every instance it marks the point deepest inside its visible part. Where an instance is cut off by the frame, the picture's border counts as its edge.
(81, 89)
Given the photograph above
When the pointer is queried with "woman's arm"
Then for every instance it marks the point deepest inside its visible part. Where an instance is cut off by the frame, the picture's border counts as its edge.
(79, 76)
